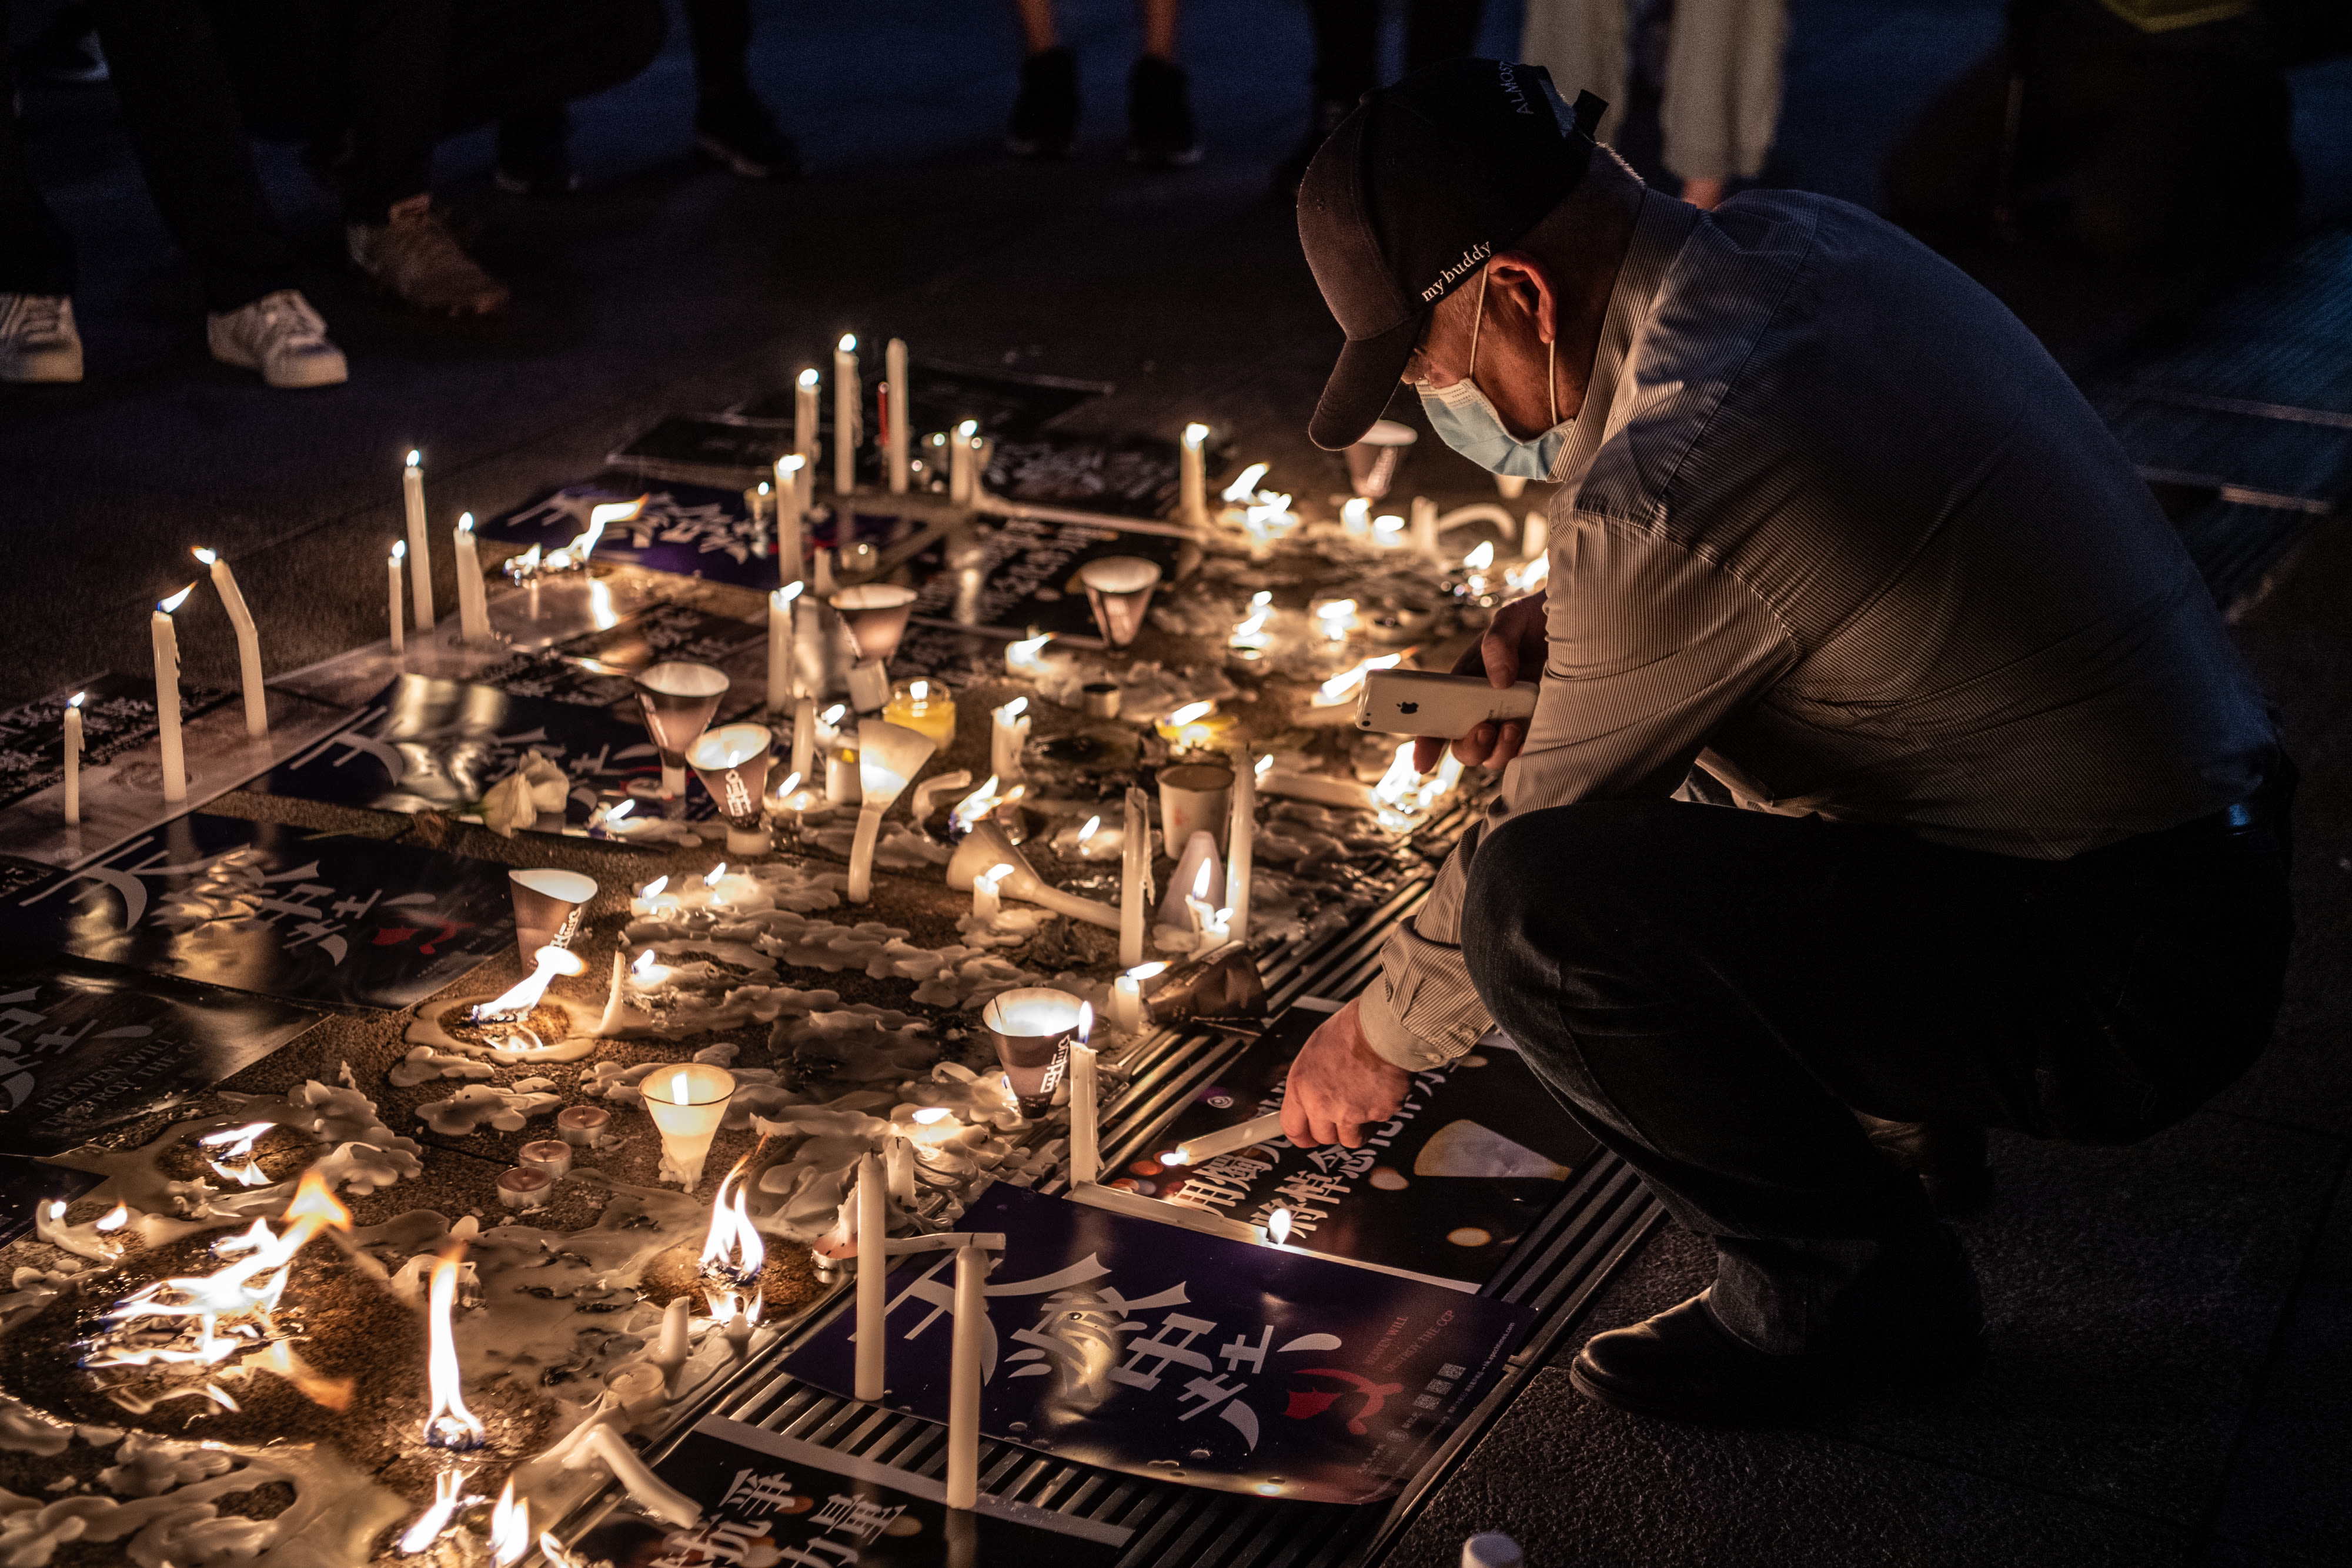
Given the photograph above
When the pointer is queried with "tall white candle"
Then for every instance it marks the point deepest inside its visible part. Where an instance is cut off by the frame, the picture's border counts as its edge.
(1193, 476)
(964, 483)
(73, 758)
(894, 366)
(399, 550)
(846, 395)
(964, 1377)
(1241, 840)
(804, 433)
(780, 650)
(873, 1279)
(1135, 875)
(248, 643)
(1424, 525)
(1085, 1146)
(412, 484)
(791, 508)
(1126, 1005)
(1006, 737)
(804, 739)
(473, 603)
(167, 696)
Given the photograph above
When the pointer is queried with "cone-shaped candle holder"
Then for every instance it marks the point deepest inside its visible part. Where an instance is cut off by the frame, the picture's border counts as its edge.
(875, 615)
(1119, 589)
(547, 906)
(888, 757)
(733, 763)
(988, 846)
(1032, 1029)
(686, 1103)
(678, 700)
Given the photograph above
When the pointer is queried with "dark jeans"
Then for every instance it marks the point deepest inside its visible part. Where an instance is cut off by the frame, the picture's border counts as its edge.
(1348, 41)
(1714, 992)
(721, 32)
(180, 115)
(376, 84)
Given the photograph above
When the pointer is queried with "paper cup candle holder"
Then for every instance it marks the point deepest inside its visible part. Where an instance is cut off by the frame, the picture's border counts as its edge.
(732, 762)
(547, 905)
(1119, 589)
(1032, 1029)
(875, 615)
(1194, 796)
(888, 757)
(686, 1103)
(678, 700)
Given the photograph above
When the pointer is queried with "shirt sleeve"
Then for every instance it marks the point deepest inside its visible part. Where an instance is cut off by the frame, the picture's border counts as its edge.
(1651, 648)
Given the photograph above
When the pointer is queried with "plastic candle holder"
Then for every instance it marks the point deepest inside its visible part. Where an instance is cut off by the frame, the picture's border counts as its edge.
(686, 1103)
(1119, 589)
(677, 700)
(547, 905)
(732, 762)
(1032, 1029)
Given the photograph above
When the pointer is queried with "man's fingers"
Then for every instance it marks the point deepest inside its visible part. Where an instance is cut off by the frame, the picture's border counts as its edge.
(1513, 737)
(1426, 750)
(1294, 1120)
(1473, 748)
(1498, 651)
(1473, 660)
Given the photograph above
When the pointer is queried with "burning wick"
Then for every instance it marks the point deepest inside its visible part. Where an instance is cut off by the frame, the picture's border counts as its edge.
(733, 1251)
(239, 1142)
(1278, 1227)
(716, 872)
(448, 1497)
(448, 1423)
(518, 1002)
(509, 1527)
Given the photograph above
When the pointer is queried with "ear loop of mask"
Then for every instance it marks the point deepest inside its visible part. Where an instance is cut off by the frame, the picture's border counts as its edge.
(1551, 351)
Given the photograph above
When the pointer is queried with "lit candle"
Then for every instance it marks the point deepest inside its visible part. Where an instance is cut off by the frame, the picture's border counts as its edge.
(473, 608)
(1209, 1145)
(1356, 519)
(888, 756)
(1197, 726)
(926, 706)
(1387, 532)
(894, 370)
(1135, 880)
(1007, 738)
(873, 1279)
(248, 643)
(847, 414)
(412, 484)
(1424, 525)
(964, 1377)
(1027, 655)
(1192, 475)
(1127, 1004)
(73, 758)
(1194, 797)
(1085, 1150)
(675, 1344)
(987, 903)
(167, 696)
(686, 1103)
(804, 434)
(963, 486)
(792, 505)
(1241, 840)
(399, 553)
(1200, 875)
(780, 649)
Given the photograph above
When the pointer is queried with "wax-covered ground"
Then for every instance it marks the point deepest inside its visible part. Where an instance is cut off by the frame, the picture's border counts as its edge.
(2169, 1380)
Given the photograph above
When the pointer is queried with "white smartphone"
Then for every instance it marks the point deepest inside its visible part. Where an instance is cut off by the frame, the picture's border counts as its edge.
(1425, 702)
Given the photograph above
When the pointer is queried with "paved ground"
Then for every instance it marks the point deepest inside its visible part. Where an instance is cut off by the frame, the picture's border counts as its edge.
(2170, 1377)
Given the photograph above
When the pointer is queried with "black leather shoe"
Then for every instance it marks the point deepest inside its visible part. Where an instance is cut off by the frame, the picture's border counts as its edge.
(1045, 116)
(1682, 1366)
(1949, 1159)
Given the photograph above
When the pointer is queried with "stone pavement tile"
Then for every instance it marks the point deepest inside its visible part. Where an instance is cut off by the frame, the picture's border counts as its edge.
(2287, 1493)
(1579, 1485)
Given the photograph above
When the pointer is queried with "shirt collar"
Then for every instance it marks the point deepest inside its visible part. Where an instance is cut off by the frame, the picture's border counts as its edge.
(1660, 226)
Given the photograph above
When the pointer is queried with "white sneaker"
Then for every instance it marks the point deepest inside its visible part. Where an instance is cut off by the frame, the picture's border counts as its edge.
(280, 336)
(37, 341)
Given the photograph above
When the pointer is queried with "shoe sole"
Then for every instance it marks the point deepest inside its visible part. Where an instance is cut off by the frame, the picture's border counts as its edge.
(57, 368)
(735, 163)
(1918, 1378)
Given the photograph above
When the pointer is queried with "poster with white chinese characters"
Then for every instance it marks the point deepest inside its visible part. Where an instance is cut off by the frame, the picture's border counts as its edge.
(117, 715)
(25, 1186)
(276, 911)
(84, 1048)
(1479, 1152)
(594, 669)
(1163, 1352)
(1020, 576)
(772, 1501)
(428, 745)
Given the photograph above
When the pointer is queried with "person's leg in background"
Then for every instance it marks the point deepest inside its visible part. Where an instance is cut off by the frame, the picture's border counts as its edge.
(1437, 30)
(1045, 113)
(1586, 46)
(39, 341)
(67, 51)
(1945, 174)
(1347, 65)
(1160, 130)
(732, 125)
(1721, 102)
(180, 112)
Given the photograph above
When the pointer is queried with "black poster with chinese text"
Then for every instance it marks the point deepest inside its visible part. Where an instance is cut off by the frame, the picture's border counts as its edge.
(1167, 1354)
(118, 715)
(769, 1499)
(1021, 575)
(594, 669)
(83, 1048)
(274, 910)
(1478, 1153)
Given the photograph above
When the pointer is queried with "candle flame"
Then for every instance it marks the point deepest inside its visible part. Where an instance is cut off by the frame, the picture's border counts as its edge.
(1388, 527)
(789, 787)
(931, 1115)
(75, 700)
(1201, 880)
(1025, 651)
(465, 522)
(448, 1496)
(1482, 558)
(1014, 709)
(415, 458)
(644, 964)
(1355, 513)
(447, 1423)
(203, 555)
(1264, 767)
(509, 1527)
(831, 715)
(732, 1250)
(920, 691)
(1278, 1227)
(1143, 972)
(1336, 610)
(1538, 572)
(1191, 713)
(619, 809)
(1341, 687)
(1240, 491)
(794, 463)
(968, 429)
(848, 344)
(969, 811)
(786, 594)
(653, 888)
(400, 550)
(809, 378)
(716, 872)
(1085, 1020)
(681, 1088)
(1094, 825)
(169, 605)
(114, 1219)
(518, 1001)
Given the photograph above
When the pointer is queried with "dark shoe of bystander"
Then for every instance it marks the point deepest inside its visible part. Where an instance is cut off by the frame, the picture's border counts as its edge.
(739, 135)
(415, 258)
(1160, 133)
(1045, 116)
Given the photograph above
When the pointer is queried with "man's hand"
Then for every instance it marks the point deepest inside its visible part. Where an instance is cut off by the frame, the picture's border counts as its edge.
(1515, 641)
(1338, 1083)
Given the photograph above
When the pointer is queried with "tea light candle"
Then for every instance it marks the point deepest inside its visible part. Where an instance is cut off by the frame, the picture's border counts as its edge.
(552, 1156)
(524, 1187)
(1007, 736)
(987, 903)
(582, 1125)
(926, 706)
(686, 1103)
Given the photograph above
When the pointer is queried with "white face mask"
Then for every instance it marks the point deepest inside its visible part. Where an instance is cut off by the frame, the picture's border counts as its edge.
(1465, 421)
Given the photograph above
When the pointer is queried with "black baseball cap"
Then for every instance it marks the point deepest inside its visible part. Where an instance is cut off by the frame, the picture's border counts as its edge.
(1411, 195)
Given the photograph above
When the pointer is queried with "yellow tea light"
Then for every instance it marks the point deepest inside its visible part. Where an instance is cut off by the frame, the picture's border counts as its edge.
(926, 706)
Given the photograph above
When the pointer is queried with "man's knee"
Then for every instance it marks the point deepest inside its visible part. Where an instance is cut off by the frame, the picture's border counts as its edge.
(1552, 882)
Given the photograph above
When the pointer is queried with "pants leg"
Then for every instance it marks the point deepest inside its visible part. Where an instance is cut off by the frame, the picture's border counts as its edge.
(720, 31)
(1941, 177)
(1713, 993)
(37, 255)
(1347, 48)
(1437, 30)
(1722, 98)
(1587, 46)
(180, 110)
(513, 57)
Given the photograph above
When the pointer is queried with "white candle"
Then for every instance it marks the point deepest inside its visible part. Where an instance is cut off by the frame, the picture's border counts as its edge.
(167, 696)
(962, 483)
(780, 651)
(987, 903)
(1007, 738)
(675, 1345)
(473, 606)
(412, 484)
(963, 1377)
(1424, 525)
(1193, 476)
(1209, 1145)
(804, 436)
(792, 505)
(1126, 1005)
(841, 786)
(1241, 840)
(399, 552)
(1135, 876)
(873, 1279)
(1534, 537)
(248, 643)
(894, 367)
(804, 739)
(1086, 1148)
(846, 393)
(73, 758)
